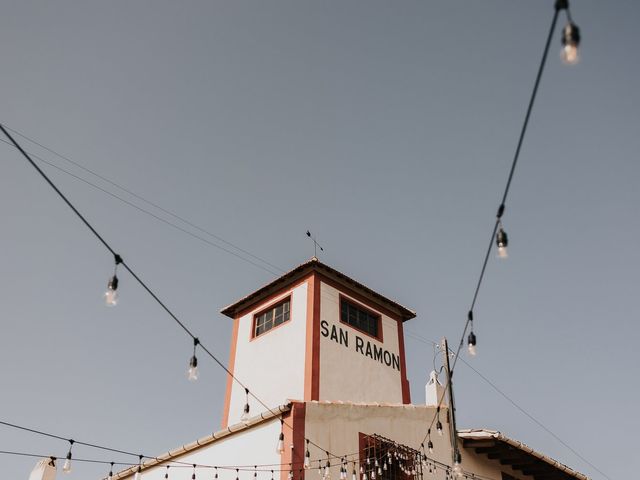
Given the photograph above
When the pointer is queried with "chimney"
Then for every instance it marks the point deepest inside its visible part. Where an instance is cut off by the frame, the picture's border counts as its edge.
(434, 391)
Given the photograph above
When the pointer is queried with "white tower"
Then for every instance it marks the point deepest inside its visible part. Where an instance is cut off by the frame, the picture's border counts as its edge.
(316, 334)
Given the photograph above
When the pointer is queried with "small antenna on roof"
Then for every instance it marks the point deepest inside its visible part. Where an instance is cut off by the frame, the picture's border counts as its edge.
(316, 245)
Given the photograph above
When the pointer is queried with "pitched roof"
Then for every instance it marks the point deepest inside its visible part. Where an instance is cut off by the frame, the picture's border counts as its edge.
(520, 456)
(171, 455)
(315, 265)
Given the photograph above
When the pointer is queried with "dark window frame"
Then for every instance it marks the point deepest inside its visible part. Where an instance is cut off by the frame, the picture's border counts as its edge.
(343, 299)
(286, 317)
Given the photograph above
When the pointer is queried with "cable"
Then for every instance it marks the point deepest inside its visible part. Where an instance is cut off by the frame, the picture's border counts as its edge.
(511, 401)
(140, 197)
(119, 260)
(147, 212)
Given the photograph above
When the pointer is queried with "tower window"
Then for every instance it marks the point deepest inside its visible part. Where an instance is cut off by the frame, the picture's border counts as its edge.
(272, 317)
(360, 318)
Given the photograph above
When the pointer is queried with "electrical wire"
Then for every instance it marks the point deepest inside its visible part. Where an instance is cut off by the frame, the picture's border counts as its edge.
(510, 400)
(140, 197)
(120, 260)
(153, 215)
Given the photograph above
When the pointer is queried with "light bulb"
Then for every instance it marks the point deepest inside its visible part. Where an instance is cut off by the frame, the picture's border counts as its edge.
(66, 468)
(430, 446)
(307, 460)
(502, 241)
(192, 373)
(280, 445)
(570, 43)
(111, 295)
(439, 428)
(353, 475)
(244, 418)
(472, 344)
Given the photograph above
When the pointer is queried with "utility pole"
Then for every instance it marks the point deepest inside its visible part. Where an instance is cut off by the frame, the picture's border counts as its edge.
(453, 431)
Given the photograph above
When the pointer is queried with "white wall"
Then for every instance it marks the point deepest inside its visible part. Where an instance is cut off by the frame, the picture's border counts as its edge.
(347, 374)
(271, 365)
(255, 446)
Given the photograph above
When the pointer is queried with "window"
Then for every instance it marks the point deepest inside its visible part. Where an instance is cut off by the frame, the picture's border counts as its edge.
(390, 460)
(274, 316)
(356, 316)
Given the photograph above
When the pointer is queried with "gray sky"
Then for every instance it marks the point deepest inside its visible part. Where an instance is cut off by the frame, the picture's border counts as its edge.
(385, 127)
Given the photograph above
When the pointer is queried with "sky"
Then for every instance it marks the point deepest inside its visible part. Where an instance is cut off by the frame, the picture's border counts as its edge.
(387, 129)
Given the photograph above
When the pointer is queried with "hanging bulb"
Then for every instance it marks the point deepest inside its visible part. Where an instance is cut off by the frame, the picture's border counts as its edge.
(502, 242)
(307, 458)
(110, 476)
(66, 468)
(193, 475)
(439, 427)
(280, 445)
(166, 475)
(354, 476)
(244, 418)
(138, 474)
(111, 295)
(457, 466)
(216, 474)
(290, 476)
(472, 344)
(192, 373)
(430, 446)
(570, 43)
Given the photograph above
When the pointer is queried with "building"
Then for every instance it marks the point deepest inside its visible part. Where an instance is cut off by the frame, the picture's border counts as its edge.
(325, 354)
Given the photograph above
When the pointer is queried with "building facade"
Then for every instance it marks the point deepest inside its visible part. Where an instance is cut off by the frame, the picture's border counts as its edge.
(325, 356)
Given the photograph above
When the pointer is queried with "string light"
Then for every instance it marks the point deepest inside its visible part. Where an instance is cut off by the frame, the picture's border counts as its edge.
(66, 468)
(280, 444)
(215, 476)
(244, 418)
(502, 241)
(570, 43)
(139, 471)
(166, 475)
(438, 423)
(110, 476)
(307, 458)
(457, 465)
(193, 475)
(471, 341)
(111, 295)
(354, 475)
(192, 373)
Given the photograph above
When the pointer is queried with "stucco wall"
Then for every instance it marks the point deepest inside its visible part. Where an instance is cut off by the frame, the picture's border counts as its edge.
(347, 373)
(336, 428)
(255, 446)
(272, 365)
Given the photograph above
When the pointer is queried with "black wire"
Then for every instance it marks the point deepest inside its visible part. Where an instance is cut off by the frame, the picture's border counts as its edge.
(504, 198)
(135, 276)
(147, 212)
(84, 460)
(140, 197)
(510, 400)
(58, 437)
